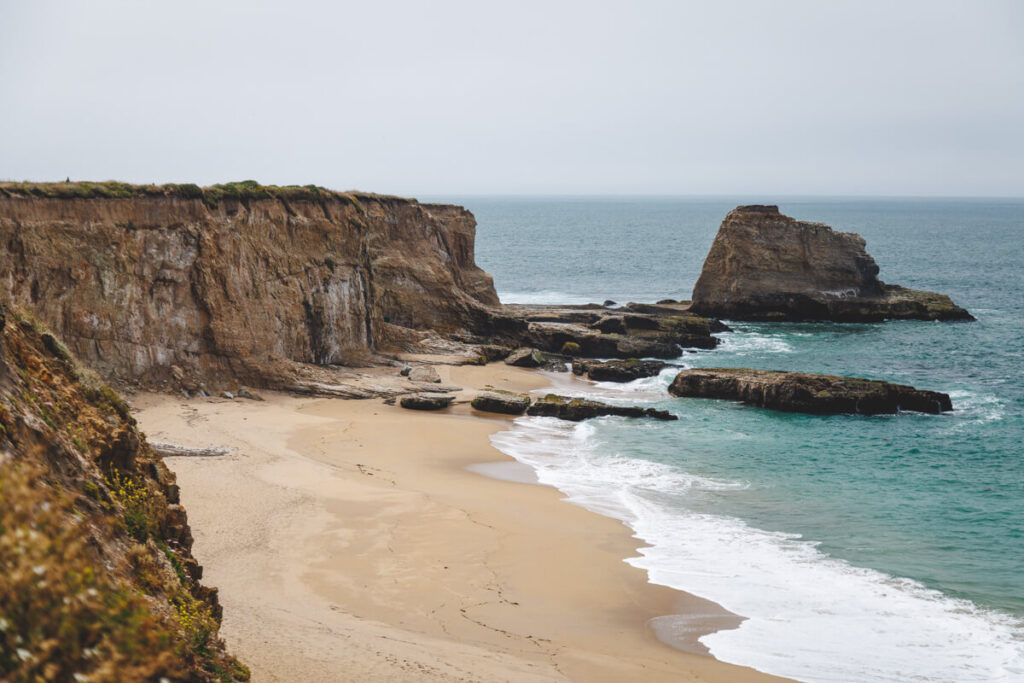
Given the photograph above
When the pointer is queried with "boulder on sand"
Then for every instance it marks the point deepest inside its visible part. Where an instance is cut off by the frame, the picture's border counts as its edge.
(426, 401)
(424, 373)
(525, 358)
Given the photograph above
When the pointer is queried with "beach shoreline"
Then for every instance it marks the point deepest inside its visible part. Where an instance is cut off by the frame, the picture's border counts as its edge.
(355, 539)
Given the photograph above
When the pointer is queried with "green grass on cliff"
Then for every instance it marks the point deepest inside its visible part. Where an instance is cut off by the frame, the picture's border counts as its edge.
(244, 191)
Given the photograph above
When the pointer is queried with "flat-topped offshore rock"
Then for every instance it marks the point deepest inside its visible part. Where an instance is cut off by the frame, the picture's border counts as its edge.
(767, 266)
(576, 409)
(617, 370)
(806, 393)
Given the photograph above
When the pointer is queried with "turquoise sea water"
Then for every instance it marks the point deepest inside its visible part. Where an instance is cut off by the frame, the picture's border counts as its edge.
(861, 548)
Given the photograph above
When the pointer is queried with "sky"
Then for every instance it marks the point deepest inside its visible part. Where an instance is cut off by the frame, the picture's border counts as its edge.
(787, 97)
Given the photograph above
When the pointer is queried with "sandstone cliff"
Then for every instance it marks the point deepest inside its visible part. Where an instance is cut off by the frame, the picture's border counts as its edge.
(97, 579)
(767, 266)
(235, 281)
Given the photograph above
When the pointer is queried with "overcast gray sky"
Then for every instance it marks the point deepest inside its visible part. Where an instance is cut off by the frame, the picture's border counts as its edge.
(789, 97)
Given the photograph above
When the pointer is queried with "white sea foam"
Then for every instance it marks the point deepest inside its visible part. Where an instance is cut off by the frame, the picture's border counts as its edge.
(547, 297)
(641, 390)
(977, 407)
(744, 343)
(809, 616)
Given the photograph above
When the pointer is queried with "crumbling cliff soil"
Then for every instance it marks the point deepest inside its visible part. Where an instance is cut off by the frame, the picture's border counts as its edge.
(97, 579)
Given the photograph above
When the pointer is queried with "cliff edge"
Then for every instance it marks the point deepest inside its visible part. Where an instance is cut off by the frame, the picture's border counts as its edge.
(767, 266)
(97, 579)
(238, 281)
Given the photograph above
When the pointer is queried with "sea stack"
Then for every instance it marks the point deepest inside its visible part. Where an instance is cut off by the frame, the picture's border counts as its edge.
(767, 266)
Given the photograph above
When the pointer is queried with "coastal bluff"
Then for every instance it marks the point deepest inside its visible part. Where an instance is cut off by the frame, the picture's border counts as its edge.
(765, 266)
(97, 576)
(206, 288)
(238, 281)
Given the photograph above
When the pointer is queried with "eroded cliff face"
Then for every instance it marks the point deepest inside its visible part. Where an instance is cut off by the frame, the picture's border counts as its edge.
(767, 266)
(236, 286)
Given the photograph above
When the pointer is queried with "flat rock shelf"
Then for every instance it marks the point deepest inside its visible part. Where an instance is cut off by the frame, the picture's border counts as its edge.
(806, 393)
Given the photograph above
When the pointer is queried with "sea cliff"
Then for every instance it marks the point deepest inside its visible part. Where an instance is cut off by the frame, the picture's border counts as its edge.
(235, 281)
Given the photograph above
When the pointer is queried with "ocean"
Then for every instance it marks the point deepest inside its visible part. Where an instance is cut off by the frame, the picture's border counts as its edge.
(886, 548)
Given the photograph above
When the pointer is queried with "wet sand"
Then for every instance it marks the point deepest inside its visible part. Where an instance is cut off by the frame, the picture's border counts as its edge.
(356, 541)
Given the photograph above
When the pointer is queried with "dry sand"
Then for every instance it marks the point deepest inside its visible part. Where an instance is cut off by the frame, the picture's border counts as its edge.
(351, 543)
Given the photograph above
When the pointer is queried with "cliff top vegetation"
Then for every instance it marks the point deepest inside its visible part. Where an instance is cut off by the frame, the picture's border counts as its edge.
(244, 190)
(97, 581)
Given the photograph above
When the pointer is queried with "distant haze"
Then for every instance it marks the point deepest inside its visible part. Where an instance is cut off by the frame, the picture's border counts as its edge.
(796, 97)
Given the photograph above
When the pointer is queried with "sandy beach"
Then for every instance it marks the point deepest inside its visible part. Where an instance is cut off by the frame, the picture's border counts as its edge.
(350, 541)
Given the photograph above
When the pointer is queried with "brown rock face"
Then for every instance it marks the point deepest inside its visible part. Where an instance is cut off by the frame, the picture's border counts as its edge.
(806, 393)
(767, 266)
(235, 284)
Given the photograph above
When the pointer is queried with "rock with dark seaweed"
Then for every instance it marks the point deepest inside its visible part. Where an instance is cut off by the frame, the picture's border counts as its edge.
(577, 409)
(427, 400)
(617, 370)
(504, 402)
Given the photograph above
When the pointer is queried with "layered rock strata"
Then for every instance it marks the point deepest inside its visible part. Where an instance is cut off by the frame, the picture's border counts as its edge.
(633, 331)
(807, 393)
(766, 266)
(238, 281)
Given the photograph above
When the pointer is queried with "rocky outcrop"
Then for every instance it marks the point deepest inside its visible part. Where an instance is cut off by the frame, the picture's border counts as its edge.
(525, 358)
(237, 281)
(576, 409)
(97, 578)
(633, 331)
(617, 370)
(767, 266)
(502, 402)
(806, 393)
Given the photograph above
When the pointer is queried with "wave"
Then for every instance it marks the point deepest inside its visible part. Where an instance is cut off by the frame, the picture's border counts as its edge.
(547, 297)
(745, 343)
(808, 615)
(977, 408)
